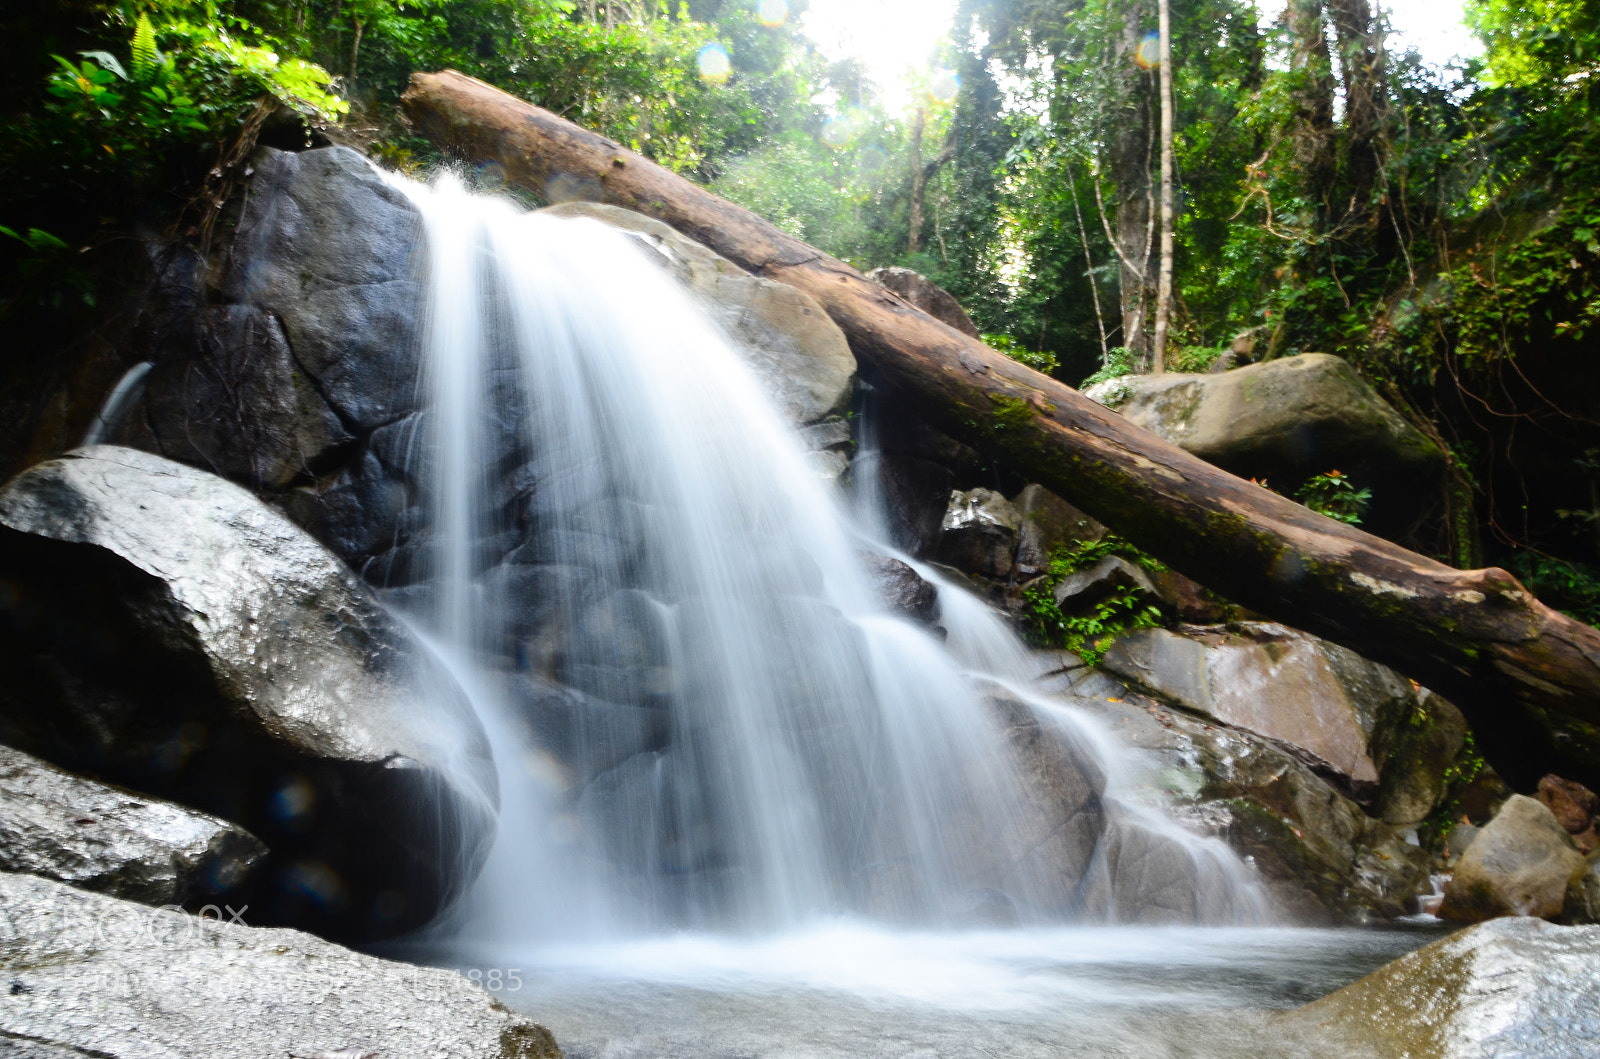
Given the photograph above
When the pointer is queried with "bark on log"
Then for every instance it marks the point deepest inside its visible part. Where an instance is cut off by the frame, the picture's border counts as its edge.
(1527, 676)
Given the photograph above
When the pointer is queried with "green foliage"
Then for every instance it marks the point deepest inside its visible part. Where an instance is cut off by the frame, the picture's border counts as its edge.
(1467, 767)
(1334, 495)
(1038, 360)
(1087, 635)
(1571, 587)
(1119, 362)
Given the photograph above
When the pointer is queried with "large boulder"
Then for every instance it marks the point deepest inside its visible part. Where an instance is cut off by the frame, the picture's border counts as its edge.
(1285, 421)
(165, 629)
(790, 341)
(91, 975)
(1513, 987)
(1418, 745)
(61, 826)
(1048, 523)
(926, 295)
(1322, 859)
(1519, 865)
(1297, 690)
(979, 533)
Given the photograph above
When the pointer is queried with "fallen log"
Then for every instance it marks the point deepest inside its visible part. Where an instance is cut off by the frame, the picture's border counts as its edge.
(1527, 676)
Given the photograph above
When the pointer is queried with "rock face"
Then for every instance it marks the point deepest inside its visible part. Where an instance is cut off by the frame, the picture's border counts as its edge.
(1285, 421)
(1048, 522)
(1519, 865)
(979, 533)
(797, 349)
(1321, 857)
(903, 591)
(1415, 745)
(59, 826)
(1574, 806)
(166, 629)
(91, 975)
(1513, 987)
(1278, 683)
(926, 295)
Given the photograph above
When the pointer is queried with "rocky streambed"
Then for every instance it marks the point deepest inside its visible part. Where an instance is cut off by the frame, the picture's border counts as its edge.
(226, 754)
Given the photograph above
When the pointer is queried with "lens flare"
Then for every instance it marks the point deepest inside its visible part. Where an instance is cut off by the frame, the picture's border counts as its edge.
(836, 131)
(773, 12)
(1149, 54)
(716, 66)
(872, 159)
(946, 83)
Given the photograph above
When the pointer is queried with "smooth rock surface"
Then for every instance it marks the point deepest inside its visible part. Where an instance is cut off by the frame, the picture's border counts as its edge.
(91, 975)
(1518, 865)
(64, 827)
(901, 588)
(1285, 421)
(1320, 856)
(1048, 522)
(1293, 688)
(1415, 744)
(793, 345)
(926, 295)
(1512, 987)
(1082, 589)
(167, 630)
(979, 533)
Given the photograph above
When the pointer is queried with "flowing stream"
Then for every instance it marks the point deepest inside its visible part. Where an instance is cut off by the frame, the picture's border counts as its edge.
(744, 806)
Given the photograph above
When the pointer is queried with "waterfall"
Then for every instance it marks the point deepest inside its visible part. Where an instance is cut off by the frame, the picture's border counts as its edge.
(703, 716)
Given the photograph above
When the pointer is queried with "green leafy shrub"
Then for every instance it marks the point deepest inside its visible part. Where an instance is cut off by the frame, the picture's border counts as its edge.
(1119, 362)
(1088, 635)
(1038, 360)
(1334, 495)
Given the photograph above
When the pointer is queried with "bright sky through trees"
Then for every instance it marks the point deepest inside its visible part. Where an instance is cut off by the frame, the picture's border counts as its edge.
(892, 35)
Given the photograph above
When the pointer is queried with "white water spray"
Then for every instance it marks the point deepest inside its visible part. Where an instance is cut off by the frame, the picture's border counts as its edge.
(703, 716)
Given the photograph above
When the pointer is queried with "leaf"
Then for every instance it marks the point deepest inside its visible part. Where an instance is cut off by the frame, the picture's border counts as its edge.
(145, 57)
(106, 60)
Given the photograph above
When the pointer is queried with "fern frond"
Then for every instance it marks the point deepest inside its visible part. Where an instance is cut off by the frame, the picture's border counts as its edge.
(145, 56)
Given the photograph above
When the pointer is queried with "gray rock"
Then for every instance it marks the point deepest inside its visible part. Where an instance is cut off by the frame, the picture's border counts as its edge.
(167, 630)
(61, 826)
(901, 588)
(926, 295)
(1295, 689)
(1082, 589)
(1285, 421)
(1320, 856)
(1048, 522)
(1581, 904)
(1513, 987)
(797, 350)
(1415, 744)
(91, 975)
(979, 533)
(1518, 865)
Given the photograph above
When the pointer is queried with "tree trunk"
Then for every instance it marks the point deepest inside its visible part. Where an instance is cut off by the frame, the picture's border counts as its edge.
(1527, 676)
(1312, 90)
(919, 183)
(1361, 68)
(1128, 157)
(1158, 360)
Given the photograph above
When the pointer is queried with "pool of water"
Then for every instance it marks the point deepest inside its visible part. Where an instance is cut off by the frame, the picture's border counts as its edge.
(846, 990)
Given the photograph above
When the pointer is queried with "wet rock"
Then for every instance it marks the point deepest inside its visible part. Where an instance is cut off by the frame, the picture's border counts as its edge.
(1285, 421)
(1415, 744)
(926, 295)
(1581, 905)
(797, 350)
(1519, 865)
(1513, 987)
(91, 975)
(166, 630)
(1574, 807)
(1048, 522)
(1080, 590)
(60, 826)
(1321, 857)
(1289, 687)
(901, 588)
(979, 533)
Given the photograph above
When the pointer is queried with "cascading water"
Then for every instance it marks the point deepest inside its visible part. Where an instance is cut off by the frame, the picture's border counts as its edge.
(703, 716)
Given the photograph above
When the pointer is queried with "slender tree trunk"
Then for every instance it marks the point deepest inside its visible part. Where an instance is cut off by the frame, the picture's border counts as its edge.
(1158, 358)
(1128, 157)
(1312, 69)
(1521, 671)
(1361, 68)
(919, 183)
(1088, 263)
(355, 49)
